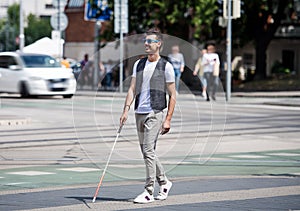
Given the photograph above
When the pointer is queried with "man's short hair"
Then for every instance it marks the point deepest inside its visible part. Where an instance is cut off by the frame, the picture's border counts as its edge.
(156, 32)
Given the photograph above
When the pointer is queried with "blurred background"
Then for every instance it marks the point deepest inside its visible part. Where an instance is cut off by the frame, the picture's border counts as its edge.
(265, 36)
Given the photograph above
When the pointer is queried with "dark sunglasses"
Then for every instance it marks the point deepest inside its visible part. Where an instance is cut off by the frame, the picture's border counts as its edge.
(149, 41)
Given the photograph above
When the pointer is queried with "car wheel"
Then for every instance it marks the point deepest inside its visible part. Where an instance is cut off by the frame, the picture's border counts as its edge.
(68, 96)
(24, 90)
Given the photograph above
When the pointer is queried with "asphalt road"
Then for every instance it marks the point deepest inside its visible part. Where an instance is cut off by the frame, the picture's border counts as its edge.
(242, 155)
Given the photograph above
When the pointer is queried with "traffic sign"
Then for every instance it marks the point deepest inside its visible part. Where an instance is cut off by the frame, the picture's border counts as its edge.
(121, 16)
(124, 24)
(59, 21)
(124, 9)
(97, 10)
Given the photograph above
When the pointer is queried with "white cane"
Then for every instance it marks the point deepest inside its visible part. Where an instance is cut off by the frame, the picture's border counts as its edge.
(107, 162)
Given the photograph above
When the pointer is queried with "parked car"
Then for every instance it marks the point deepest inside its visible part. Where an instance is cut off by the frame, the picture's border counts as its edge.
(35, 74)
(75, 66)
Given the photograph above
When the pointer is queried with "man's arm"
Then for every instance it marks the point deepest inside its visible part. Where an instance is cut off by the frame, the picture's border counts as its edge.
(128, 101)
(171, 106)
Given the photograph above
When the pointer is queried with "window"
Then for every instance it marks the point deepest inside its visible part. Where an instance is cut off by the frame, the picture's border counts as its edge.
(6, 61)
(39, 61)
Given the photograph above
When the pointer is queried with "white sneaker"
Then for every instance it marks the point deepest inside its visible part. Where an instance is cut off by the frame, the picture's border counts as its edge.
(204, 95)
(164, 191)
(144, 198)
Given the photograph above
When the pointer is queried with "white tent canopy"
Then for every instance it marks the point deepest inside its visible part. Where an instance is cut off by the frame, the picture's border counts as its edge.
(46, 46)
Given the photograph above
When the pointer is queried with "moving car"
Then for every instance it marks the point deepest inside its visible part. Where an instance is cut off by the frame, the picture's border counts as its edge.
(35, 74)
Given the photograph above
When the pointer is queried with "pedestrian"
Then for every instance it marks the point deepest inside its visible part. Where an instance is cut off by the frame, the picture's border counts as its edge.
(211, 69)
(152, 77)
(198, 70)
(177, 60)
(65, 63)
(108, 74)
(84, 61)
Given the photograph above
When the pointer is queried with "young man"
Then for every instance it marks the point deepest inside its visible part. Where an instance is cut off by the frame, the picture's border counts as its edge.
(152, 77)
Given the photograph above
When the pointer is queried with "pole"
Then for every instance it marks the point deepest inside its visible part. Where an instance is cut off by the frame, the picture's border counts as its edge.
(228, 43)
(121, 49)
(97, 56)
(59, 31)
(21, 36)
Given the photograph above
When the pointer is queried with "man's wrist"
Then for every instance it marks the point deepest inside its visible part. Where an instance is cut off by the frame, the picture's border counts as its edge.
(126, 108)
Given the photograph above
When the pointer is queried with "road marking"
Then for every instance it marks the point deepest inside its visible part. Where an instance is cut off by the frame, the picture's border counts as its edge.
(16, 183)
(79, 169)
(247, 156)
(284, 154)
(30, 173)
(126, 166)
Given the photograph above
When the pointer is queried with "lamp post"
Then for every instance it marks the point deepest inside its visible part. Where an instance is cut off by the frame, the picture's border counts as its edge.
(21, 35)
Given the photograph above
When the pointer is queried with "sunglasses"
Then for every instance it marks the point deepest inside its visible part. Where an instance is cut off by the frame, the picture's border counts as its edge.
(149, 41)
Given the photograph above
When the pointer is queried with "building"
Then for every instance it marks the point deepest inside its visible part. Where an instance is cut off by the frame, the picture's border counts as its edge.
(79, 35)
(40, 8)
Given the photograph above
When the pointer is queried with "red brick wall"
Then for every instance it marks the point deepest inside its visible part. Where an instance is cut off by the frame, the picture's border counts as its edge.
(78, 29)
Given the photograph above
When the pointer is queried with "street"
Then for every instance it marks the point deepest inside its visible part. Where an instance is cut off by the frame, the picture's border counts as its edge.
(222, 156)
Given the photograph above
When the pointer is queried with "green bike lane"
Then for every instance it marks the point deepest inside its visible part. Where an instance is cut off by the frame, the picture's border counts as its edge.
(265, 163)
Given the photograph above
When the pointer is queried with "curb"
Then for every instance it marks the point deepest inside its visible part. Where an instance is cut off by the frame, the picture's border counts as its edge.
(270, 94)
(13, 121)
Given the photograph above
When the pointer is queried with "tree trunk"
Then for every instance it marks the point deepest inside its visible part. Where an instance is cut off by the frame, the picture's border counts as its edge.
(261, 58)
(264, 34)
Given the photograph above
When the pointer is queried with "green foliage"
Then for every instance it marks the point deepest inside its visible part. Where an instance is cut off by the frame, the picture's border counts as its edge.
(279, 68)
(173, 17)
(203, 18)
(37, 28)
(13, 13)
(9, 29)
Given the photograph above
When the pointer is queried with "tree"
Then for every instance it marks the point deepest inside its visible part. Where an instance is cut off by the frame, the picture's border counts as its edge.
(36, 29)
(258, 25)
(9, 29)
(263, 19)
(196, 19)
(185, 19)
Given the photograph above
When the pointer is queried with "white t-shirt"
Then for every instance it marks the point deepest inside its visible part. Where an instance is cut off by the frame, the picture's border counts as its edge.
(144, 99)
(209, 60)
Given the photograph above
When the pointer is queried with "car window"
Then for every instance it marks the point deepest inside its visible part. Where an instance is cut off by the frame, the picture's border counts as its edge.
(6, 61)
(39, 61)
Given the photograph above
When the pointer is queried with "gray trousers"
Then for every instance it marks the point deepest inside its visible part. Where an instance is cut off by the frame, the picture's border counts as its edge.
(148, 128)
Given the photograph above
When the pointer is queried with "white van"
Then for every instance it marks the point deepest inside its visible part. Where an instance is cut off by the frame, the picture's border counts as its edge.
(35, 74)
